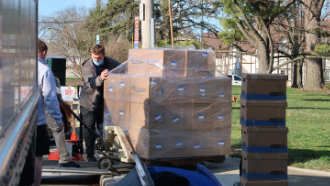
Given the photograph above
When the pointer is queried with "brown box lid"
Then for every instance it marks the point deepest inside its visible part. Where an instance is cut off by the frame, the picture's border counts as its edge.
(271, 84)
(263, 113)
(264, 156)
(263, 103)
(264, 137)
(273, 167)
(264, 76)
(245, 182)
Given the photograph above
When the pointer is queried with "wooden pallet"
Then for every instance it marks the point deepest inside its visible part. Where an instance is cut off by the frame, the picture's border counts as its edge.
(176, 162)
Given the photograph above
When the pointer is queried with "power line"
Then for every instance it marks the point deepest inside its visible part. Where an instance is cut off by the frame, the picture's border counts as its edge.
(66, 22)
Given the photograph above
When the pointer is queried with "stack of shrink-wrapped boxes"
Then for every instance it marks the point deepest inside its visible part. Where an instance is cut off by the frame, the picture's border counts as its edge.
(264, 134)
(170, 104)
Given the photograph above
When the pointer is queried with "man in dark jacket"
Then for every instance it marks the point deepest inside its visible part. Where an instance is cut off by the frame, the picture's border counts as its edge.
(95, 72)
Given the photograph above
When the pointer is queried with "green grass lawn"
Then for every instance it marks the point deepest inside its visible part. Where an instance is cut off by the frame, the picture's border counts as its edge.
(72, 82)
(308, 120)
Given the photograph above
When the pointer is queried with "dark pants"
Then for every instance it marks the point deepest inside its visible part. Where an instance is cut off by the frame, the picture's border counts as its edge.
(89, 118)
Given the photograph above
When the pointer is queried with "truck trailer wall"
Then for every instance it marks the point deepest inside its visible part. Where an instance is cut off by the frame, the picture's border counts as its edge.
(18, 86)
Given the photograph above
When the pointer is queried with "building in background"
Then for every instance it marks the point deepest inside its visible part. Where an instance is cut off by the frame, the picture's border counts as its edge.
(230, 59)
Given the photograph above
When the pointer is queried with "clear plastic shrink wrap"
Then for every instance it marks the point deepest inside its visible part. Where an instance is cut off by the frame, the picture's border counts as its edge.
(170, 104)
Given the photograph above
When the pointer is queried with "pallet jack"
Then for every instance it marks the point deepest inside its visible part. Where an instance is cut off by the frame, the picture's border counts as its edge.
(115, 148)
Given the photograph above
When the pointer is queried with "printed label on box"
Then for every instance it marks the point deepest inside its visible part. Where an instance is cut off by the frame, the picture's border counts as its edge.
(203, 95)
(158, 146)
(181, 88)
(174, 63)
(175, 119)
(121, 112)
(220, 116)
(153, 82)
(221, 143)
(157, 117)
(204, 54)
(122, 83)
(201, 116)
(179, 143)
(222, 95)
(202, 89)
(196, 146)
(110, 89)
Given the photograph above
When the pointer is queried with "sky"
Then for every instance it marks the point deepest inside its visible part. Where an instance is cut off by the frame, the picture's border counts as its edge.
(48, 7)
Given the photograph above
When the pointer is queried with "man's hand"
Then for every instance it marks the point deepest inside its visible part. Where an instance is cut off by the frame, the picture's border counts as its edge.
(60, 128)
(104, 74)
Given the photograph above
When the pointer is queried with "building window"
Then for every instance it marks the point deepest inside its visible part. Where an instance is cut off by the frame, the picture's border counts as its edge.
(327, 76)
(283, 72)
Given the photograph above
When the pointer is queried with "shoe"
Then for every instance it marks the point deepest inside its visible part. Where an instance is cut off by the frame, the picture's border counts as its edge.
(91, 158)
(70, 164)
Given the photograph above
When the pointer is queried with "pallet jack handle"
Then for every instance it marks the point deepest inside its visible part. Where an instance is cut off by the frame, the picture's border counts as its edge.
(80, 142)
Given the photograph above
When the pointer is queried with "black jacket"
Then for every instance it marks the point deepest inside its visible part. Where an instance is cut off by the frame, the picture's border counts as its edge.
(90, 96)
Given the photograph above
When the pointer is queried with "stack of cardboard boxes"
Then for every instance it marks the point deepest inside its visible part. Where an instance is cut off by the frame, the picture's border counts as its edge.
(170, 104)
(264, 135)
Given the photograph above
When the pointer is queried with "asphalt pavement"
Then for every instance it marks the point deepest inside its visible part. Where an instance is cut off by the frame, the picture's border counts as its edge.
(227, 173)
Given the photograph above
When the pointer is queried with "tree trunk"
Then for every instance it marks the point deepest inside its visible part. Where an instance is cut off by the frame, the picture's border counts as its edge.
(295, 75)
(263, 52)
(299, 73)
(314, 66)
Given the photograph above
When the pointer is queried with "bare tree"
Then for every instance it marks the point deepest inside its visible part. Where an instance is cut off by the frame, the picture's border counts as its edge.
(67, 36)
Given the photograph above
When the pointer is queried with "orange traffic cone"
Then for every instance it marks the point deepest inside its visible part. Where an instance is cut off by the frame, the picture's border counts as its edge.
(73, 137)
(54, 155)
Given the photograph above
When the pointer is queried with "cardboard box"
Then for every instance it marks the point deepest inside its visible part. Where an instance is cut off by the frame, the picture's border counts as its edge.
(199, 63)
(157, 62)
(161, 117)
(211, 116)
(245, 182)
(181, 117)
(269, 84)
(221, 142)
(263, 110)
(273, 165)
(264, 137)
(182, 90)
(156, 144)
(171, 63)
(117, 114)
(203, 117)
(221, 90)
(116, 87)
(150, 90)
(202, 90)
(144, 116)
(222, 113)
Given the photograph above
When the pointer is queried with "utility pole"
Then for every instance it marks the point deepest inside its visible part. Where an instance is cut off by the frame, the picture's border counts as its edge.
(147, 24)
(202, 23)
